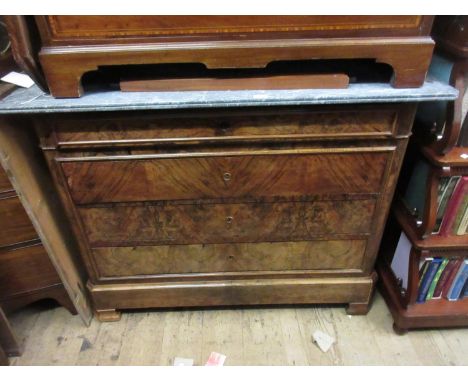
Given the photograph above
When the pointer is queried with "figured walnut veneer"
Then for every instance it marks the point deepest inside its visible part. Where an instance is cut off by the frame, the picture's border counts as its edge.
(228, 207)
(224, 222)
(226, 176)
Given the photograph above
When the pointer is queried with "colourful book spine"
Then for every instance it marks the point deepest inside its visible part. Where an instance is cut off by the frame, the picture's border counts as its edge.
(459, 282)
(435, 280)
(461, 229)
(453, 205)
(465, 290)
(423, 269)
(449, 282)
(443, 196)
(444, 278)
(427, 279)
(460, 216)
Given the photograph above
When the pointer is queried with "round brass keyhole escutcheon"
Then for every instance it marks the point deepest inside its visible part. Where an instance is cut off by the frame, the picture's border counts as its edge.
(227, 176)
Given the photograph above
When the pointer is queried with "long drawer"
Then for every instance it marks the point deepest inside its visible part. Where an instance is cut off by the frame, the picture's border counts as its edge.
(26, 269)
(15, 224)
(222, 258)
(118, 129)
(226, 175)
(117, 225)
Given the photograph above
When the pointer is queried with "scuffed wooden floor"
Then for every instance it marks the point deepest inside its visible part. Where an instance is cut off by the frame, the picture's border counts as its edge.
(273, 336)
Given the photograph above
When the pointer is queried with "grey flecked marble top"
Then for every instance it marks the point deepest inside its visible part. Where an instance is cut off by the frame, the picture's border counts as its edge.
(33, 100)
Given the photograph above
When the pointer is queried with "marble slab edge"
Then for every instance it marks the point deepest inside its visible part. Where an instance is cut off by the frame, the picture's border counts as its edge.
(34, 101)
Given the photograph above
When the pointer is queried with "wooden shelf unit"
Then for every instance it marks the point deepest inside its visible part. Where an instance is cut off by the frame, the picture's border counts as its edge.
(406, 312)
(445, 159)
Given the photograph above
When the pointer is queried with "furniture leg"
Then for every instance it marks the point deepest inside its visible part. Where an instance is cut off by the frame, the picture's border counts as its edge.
(398, 330)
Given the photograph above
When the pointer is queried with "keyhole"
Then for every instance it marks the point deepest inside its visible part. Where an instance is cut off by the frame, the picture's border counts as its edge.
(227, 176)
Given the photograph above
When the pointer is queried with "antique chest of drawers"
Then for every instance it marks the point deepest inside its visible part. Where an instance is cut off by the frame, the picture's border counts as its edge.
(228, 206)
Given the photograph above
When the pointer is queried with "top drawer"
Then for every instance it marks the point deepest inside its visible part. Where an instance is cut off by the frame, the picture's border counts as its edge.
(244, 125)
(266, 174)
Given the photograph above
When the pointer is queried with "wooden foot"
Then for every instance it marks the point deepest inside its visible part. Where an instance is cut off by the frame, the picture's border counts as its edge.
(357, 308)
(108, 315)
(362, 308)
(398, 330)
(63, 81)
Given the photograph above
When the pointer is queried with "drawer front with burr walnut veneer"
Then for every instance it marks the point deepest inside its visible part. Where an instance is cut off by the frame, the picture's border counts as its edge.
(228, 207)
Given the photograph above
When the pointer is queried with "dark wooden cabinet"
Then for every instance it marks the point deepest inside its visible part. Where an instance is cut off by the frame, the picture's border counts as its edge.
(71, 46)
(228, 206)
(26, 272)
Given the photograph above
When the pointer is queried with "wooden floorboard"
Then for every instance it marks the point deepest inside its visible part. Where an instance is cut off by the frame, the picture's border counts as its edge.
(271, 336)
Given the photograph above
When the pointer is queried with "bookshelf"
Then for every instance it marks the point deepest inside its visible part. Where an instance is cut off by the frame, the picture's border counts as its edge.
(430, 227)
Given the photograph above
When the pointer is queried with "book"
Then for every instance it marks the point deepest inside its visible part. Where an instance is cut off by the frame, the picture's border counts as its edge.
(451, 277)
(460, 213)
(426, 281)
(423, 268)
(445, 195)
(400, 261)
(435, 280)
(414, 198)
(464, 294)
(452, 266)
(463, 225)
(454, 204)
(463, 136)
(459, 282)
(445, 191)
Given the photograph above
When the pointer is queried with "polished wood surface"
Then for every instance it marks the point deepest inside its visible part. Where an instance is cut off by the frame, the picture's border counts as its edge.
(140, 129)
(120, 224)
(74, 45)
(66, 28)
(235, 292)
(16, 226)
(268, 174)
(25, 269)
(65, 66)
(157, 261)
(311, 81)
(163, 223)
(5, 185)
